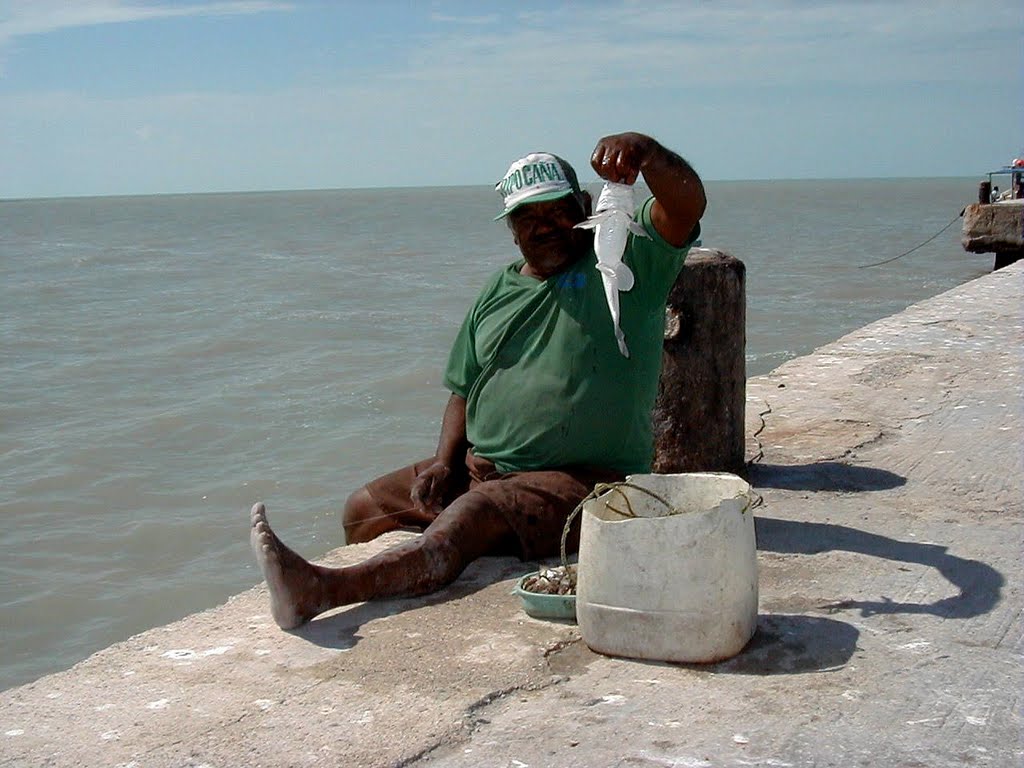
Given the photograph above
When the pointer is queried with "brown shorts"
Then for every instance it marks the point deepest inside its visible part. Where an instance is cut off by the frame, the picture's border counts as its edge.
(535, 504)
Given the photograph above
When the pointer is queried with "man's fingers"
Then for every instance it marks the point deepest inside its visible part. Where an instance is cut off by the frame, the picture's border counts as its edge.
(418, 493)
(626, 165)
(423, 496)
(422, 508)
(427, 489)
(426, 508)
(616, 164)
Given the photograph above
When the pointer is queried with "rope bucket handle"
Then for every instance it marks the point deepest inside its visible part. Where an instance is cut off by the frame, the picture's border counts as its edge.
(599, 490)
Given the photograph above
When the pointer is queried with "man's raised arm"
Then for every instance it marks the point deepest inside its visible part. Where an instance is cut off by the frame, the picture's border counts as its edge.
(677, 189)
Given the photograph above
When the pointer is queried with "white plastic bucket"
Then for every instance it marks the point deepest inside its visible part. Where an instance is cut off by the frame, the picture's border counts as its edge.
(674, 584)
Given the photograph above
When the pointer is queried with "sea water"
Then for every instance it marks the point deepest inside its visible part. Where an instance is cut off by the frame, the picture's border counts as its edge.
(169, 360)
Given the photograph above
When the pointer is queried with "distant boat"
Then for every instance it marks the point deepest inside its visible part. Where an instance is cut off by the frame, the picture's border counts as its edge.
(989, 192)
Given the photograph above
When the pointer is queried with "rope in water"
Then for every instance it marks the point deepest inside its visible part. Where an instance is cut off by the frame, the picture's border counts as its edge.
(887, 261)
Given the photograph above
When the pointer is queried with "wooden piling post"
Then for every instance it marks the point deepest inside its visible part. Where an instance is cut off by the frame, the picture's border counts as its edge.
(700, 411)
(985, 193)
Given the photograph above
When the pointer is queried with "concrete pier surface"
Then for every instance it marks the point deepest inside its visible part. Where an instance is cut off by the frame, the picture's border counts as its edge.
(890, 632)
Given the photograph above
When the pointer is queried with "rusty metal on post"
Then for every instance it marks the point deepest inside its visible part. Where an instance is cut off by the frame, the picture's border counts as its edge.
(700, 411)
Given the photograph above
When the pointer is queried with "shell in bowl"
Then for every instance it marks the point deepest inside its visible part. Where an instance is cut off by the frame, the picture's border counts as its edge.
(545, 606)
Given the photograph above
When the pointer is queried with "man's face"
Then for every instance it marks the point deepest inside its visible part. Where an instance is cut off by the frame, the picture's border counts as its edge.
(546, 236)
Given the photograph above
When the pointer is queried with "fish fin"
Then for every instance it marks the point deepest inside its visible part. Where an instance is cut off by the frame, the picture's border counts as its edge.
(594, 220)
(621, 275)
(625, 278)
(639, 229)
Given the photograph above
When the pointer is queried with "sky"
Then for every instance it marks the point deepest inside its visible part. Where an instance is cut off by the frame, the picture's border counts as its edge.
(103, 97)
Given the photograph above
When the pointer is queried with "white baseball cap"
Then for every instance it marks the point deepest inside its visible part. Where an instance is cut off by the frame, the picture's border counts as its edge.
(536, 178)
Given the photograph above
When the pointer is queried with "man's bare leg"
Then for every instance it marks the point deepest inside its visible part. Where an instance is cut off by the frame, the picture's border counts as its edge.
(299, 590)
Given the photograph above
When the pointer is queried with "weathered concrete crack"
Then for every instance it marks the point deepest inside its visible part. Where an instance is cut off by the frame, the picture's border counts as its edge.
(561, 645)
(876, 439)
(413, 759)
(470, 718)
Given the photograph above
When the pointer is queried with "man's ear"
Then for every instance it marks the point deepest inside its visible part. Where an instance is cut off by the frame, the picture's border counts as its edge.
(587, 202)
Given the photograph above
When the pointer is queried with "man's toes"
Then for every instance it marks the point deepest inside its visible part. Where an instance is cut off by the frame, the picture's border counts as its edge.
(258, 512)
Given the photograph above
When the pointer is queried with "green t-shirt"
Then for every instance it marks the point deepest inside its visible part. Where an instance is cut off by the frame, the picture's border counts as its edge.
(539, 367)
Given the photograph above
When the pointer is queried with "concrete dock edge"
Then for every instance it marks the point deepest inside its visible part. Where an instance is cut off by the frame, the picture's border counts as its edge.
(890, 632)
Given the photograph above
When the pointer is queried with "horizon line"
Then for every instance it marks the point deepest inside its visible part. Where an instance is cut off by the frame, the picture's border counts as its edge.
(583, 182)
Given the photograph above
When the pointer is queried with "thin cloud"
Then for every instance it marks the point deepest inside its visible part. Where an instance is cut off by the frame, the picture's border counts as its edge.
(36, 17)
(723, 44)
(470, 20)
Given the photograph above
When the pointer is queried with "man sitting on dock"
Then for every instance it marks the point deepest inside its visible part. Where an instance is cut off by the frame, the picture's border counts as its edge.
(543, 405)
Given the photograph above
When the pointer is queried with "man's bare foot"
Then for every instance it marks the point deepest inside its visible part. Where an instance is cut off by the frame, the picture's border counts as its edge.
(296, 593)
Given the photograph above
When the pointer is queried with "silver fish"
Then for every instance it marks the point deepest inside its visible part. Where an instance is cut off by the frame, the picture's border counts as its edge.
(612, 222)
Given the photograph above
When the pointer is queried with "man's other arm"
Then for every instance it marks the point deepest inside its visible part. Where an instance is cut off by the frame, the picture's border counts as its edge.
(430, 484)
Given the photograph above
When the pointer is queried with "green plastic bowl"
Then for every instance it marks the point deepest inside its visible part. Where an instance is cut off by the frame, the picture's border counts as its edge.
(542, 606)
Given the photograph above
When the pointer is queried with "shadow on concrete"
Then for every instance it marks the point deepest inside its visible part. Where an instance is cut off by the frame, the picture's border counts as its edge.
(823, 476)
(979, 585)
(783, 644)
(788, 644)
(340, 629)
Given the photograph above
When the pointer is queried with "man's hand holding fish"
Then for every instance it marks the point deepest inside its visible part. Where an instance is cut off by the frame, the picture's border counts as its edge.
(678, 192)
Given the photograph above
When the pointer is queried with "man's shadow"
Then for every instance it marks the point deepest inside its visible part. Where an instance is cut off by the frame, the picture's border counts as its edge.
(978, 584)
(786, 644)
